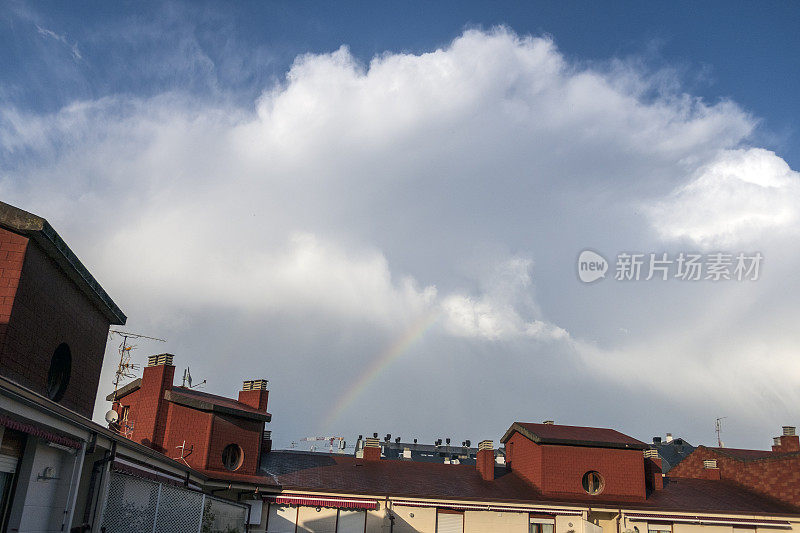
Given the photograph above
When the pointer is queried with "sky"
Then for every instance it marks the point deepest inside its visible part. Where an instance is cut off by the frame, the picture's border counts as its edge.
(380, 207)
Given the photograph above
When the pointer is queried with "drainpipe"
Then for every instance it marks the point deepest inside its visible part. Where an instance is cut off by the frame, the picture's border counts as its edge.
(617, 518)
(102, 494)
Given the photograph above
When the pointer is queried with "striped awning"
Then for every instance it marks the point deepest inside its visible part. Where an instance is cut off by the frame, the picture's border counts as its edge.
(484, 507)
(37, 431)
(716, 520)
(323, 501)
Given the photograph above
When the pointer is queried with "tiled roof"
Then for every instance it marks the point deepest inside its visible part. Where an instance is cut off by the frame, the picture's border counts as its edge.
(744, 455)
(345, 474)
(211, 402)
(574, 435)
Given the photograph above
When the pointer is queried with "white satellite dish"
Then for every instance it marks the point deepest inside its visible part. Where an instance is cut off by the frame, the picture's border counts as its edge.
(112, 416)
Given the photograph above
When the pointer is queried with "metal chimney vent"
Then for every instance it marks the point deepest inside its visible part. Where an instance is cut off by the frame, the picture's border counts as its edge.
(710, 463)
(254, 384)
(486, 445)
(776, 441)
(789, 430)
(548, 422)
(160, 359)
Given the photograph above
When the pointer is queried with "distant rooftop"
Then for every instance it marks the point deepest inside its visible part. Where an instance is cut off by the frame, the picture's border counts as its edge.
(574, 436)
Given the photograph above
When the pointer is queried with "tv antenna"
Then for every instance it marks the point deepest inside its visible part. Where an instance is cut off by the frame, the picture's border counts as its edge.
(719, 431)
(187, 378)
(125, 368)
(184, 452)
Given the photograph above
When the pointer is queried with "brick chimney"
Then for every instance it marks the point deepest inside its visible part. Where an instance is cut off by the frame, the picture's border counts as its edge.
(372, 449)
(654, 478)
(255, 394)
(788, 442)
(151, 408)
(710, 469)
(485, 459)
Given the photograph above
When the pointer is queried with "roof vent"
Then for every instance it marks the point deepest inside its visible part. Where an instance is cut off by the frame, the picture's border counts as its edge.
(254, 384)
(776, 441)
(486, 445)
(710, 463)
(548, 422)
(164, 359)
(789, 430)
(267, 434)
(372, 442)
(669, 438)
(651, 453)
(656, 440)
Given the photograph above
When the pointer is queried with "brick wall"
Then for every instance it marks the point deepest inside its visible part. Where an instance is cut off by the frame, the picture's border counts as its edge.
(42, 308)
(246, 433)
(190, 425)
(776, 477)
(558, 470)
(151, 408)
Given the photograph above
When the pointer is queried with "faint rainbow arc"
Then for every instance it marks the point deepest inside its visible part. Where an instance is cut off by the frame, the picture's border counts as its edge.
(380, 363)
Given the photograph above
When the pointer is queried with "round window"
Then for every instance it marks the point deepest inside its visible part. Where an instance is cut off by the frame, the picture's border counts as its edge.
(593, 482)
(58, 376)
(232, 457)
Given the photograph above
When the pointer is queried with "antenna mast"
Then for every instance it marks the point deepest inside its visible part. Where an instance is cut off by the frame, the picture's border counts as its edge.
(124, 367)
(719, 431)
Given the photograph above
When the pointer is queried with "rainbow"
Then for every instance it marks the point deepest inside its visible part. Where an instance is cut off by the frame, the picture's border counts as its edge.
(380, 363)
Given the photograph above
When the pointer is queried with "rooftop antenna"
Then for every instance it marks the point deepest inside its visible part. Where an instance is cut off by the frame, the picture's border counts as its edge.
(125, 367)
(187, 378)
(719, 431)
(184, 452)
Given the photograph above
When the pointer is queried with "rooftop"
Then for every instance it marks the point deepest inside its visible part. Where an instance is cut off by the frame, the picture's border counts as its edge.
(40, 231)
(294, 470)
(574, 436)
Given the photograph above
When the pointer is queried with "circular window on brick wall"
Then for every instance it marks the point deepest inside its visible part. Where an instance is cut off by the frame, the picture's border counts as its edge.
(232, 457)
(593, 482)
(58, 376)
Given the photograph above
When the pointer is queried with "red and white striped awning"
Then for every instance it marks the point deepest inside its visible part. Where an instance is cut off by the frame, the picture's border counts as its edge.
(323, 501)
(483, 507)
(37, 431)
(757, 522)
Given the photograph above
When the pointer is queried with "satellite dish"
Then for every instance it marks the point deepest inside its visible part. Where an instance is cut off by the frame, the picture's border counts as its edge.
(112, 416)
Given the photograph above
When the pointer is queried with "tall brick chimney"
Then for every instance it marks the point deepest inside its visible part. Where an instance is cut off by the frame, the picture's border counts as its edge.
(255, 394)
(788, 442)
(485, 459)
(372, 449)
(151, 408)
(654, 478)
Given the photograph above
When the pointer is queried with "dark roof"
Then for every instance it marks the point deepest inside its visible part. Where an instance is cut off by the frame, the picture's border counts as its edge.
(204, 401)
(294, 470)
(672, 453)
(744, 455)
(40, 231)
(574, 436)
(133, 386)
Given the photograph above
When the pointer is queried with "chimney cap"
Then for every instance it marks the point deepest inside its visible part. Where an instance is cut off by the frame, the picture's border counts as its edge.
(255, 384)
(656, 440)
(162, 359)
(486, 445)
(372, 442)
(710, 463)
(651, 453)
(789, 430)
(548, 422)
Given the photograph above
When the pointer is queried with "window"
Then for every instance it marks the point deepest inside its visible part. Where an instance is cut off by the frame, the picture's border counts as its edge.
(659, 528)
(58, 376)
(232, 457)
(448, 521)
(593, 482)
(541, 525)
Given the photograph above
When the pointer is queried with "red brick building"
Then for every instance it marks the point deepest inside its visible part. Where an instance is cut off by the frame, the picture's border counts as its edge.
(206, 431)
(774, 473)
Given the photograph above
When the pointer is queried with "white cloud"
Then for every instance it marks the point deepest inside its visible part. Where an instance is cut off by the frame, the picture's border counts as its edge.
(739, 197)
(360, 195)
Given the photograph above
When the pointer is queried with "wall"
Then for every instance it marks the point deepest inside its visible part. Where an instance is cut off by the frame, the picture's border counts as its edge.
(246, 433)
(184, 423)
(424, 519)
(777, 477)
(558, 470)
(41, 507)
(45, 309)
(481, 521)
(309, 520)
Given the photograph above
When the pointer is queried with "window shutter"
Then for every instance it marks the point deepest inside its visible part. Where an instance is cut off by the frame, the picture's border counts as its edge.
(449, 523)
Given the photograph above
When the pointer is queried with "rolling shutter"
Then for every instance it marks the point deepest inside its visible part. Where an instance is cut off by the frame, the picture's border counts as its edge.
(449, 522)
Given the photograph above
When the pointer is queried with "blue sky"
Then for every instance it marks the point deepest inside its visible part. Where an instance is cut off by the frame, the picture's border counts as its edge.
(292, 191)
